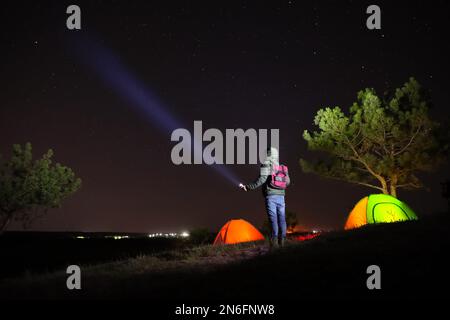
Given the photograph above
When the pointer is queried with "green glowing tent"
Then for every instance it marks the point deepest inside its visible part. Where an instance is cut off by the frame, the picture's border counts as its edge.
(379, 208)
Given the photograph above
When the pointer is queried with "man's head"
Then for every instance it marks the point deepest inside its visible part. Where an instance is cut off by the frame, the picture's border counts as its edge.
(272, 155)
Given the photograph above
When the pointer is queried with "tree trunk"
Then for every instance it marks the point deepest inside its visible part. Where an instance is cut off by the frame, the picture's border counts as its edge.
(393, 191)
(4, 224)
(384, 185)
(393, 186)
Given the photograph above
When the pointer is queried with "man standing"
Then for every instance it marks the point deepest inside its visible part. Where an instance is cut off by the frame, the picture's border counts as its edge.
(274, 179)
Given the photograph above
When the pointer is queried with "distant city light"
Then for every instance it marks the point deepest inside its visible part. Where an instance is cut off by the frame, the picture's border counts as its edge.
(168, 235)
(184, 234)
(117, 237)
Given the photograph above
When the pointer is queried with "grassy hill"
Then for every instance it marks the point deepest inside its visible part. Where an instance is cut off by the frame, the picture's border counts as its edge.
(412, 257)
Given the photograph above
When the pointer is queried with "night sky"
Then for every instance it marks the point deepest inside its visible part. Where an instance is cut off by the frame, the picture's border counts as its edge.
(231, 64)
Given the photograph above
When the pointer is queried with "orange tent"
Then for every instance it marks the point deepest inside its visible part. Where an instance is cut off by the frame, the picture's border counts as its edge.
(236, 231)
(357, 216)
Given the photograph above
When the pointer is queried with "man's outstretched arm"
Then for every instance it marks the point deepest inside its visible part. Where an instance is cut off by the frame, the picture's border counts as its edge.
(264, 174)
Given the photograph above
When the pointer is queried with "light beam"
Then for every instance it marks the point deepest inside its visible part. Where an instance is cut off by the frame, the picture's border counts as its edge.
(115, 75)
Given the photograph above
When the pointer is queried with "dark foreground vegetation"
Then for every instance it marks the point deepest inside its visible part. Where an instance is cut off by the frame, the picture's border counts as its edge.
(25, 253)
(412, 257)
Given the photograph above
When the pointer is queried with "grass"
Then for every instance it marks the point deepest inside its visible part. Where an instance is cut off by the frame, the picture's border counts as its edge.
(411, 255)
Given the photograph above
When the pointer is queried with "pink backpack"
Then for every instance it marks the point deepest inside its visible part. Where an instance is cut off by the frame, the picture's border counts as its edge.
(279, 177)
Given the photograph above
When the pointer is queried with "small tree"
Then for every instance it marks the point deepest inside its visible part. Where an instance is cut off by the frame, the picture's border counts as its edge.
(446, 191)
(382, 143)
(291, 220)
(200, 236)
(29, 187)
(291, 223)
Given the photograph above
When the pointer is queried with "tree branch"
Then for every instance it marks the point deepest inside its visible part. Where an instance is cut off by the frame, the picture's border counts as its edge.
(384, 141)
(366, 185)
(409, 143)
(359, 159)
(352, 181)
(410, 184)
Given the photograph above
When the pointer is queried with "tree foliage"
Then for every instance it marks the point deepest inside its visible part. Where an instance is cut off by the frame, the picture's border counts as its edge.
(446, 191)
(291, 223)
(29, 187)
(382, 143)
(200, 236)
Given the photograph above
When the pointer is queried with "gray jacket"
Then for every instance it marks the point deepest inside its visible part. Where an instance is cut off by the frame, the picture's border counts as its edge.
(264, 181)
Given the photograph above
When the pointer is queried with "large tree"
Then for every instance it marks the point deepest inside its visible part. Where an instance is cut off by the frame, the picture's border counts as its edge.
(29, 187)
(381, 143)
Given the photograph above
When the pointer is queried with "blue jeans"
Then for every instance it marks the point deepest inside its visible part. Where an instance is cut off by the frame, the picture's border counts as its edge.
(276, 211)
